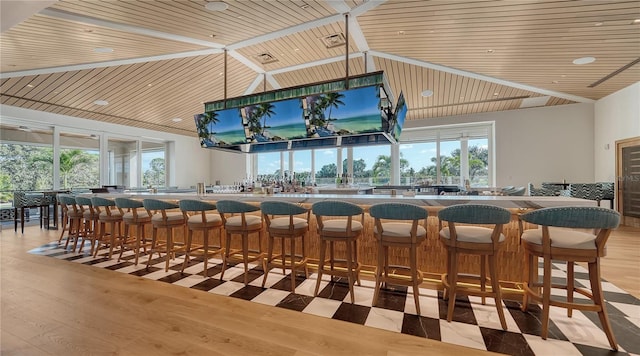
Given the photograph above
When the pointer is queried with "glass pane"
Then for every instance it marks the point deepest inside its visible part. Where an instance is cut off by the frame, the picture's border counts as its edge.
(420, 160)
(79, 161)
(302, 166)
(153, 164)
(326, 166)
(268, 166)
(479, 162)
(450, 162)
(372, 165)
(122, 162)
(26, 160)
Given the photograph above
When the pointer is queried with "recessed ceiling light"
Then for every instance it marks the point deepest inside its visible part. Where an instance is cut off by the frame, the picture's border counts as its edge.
(24, 128)
(212, 35)
(427, 93)
(555, 82)
(29, 85)
(490, 51)
(103, 50)
(400, 33)
(94, 137)
(216, 6)
(101, 102)
(296, 49)
(597, 24)
(149, 85)
(496, 94)
(176, 119)
(88, 30)
(584, 60)
(635, 22)
(563, 76)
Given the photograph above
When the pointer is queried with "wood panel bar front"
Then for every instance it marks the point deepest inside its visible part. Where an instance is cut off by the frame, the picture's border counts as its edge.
(431, 254)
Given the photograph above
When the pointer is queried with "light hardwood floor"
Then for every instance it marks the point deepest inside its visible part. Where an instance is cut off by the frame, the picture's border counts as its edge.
(53, 307)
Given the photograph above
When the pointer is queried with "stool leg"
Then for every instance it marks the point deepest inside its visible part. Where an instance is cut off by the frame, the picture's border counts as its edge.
(169, 248)
(188, 250)
(414, 277)
(139, 238)
(570, 287)
(101, 237)
(269, 255)
(379, 267)
(355, 259)
(546, 296)
(225, 258)
(495, 286)
(304, 256)
(453, 281)
(293, 263)
(598, 298)
(205, 241)
(323, 247)
(483, 277)
(350, 269)
(154, 242)
(245, 256)
(123, 241)
(282, 255)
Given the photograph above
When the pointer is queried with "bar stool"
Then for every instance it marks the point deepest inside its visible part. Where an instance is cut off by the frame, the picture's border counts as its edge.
(199, 217)
(132, 216)
(391, 233)
(283, 223)
(243, 225)
(108, 214)
(333, 230)
(74, 217)
(90, 222)
(474, 240)
(163, 219)
(566, 244)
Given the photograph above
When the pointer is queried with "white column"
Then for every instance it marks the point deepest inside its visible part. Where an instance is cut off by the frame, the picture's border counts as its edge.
(464, 159)
(395, 164)
(56, 158)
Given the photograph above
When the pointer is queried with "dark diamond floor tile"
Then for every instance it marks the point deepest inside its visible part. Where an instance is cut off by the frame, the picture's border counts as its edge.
(248, 292)
(529, 322)
(392, 299)
(462, 311)
(174, 277)
(295, 302)
(586, 350)
(505, 342)
(581, 275)
(61, 253)
(285, 282)
(144, 271)
(96, 260)
(335, 291)
(352, 313)
(421, 326)
(120, 265)
(251, 276)
(212, 270)
(625, 332)
(76, 257)
(620, 298)
(208, 284)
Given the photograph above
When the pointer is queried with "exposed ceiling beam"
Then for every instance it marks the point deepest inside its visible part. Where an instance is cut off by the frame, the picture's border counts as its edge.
(246, 61)
(126, 28)
(271, 80)
(480, 76)
(366, 6)
(252, 87)
(121, 62)
(314, 63)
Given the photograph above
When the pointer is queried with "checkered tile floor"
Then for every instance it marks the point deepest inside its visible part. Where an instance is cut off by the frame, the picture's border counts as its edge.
(474, 325)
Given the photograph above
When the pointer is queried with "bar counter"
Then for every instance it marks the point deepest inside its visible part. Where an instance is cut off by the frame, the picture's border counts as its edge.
(432, 255)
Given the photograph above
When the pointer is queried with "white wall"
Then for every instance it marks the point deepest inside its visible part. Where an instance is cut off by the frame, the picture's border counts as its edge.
(228, 167)
(546, 144)
(193, 163)
(617, 117)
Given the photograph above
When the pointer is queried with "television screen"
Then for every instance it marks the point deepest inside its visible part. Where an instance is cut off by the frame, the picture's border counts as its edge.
(220, 128)
(274, 121)
(399, 116)
(347, 112)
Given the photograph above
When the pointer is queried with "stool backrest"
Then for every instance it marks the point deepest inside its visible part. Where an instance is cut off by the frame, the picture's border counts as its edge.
(83, 201)
(336, 208)
(281, 208)
(102, 204)
(196, 205)
(398, 211)
(128, 204)
(475, 214)
(574, 217)
(235, 207)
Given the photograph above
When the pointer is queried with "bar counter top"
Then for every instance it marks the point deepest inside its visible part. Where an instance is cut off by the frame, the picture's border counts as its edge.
(509, 202)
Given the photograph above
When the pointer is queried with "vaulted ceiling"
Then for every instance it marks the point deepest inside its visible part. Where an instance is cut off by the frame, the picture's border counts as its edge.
(155, 61)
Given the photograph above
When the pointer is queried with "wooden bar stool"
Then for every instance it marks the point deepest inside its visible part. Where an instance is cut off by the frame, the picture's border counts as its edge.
(392, 231)
(74, 216)
(163, 216)
(473, 240)
(333, 230)
(133, 215)
(237, 221)
(200, 216)
(566, 244)
(108, 214)
(90, 222)
(284, 222)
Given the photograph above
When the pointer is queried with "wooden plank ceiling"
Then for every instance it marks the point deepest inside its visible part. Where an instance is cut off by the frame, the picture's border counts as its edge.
(168, 57)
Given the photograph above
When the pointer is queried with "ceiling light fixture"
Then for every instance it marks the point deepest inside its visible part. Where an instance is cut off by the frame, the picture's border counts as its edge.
(496, 94)
(334, 40)
(584, 60)
(24, 128)
(635, 22)
(29, 85)
(216, 6)
(101, 102)
(176, 119)
(94, 137)
(490, 51)
(598, 24)
(555, 82)
(427, 93)
(400, 33)
(103, 50)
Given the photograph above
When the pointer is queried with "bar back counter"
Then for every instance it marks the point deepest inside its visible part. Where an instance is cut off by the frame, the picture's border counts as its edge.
(432, 255)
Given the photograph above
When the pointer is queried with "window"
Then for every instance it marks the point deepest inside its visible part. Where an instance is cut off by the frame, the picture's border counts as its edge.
(326, 165)
(153, 165)
(26, 159)
(371, 165)
(420, 158)
(79, 161)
